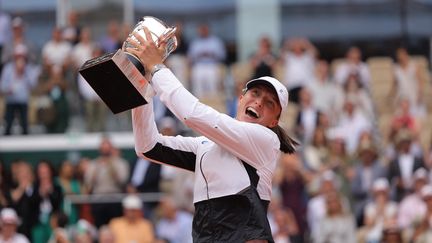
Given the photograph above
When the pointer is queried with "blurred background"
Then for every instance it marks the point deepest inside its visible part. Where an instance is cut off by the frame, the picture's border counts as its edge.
(359, 77)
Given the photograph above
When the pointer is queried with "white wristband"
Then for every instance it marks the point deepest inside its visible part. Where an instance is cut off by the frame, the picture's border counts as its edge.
(156, 68)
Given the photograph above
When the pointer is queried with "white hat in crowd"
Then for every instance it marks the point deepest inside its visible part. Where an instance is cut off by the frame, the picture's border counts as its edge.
(420, 173)
(380, 184)
(132, 202)
(9, 216)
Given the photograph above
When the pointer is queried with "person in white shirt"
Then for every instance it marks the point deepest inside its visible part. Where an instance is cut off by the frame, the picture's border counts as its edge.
(353, 65)
(205, 54)
(9, 222)
(56, 51)
(235, 158)
(298, 58)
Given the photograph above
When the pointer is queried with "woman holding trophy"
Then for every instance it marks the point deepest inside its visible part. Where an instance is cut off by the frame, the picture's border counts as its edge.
(233, 161)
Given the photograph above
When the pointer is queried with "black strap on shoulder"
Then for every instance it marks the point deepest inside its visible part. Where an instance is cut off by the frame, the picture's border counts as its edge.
(252, 173)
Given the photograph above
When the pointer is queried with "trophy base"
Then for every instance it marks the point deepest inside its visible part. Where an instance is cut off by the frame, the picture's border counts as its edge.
(117, 81)
(136, 62)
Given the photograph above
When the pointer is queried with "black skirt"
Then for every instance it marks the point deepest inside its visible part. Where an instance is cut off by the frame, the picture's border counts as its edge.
(235, 218)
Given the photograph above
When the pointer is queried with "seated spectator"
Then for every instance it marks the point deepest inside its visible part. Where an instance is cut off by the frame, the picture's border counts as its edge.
(412, 207)
(263, 60)
(354, 92)
(404, 118)
(337, 225)
(9, 222)
(353, 65)
(379, 214)
(316, 153)
(132, 227)
(367, 169)
(298, 56)
(403, 166)
(307, 117)
(175, 225)
(352, 123)
(83, 232)
(316, 207)
(58, 223)
(408, 83)
(327, 96)
(421, 231)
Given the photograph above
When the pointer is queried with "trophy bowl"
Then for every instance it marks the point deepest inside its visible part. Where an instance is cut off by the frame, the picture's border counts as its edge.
(119, 77)
(158, 30)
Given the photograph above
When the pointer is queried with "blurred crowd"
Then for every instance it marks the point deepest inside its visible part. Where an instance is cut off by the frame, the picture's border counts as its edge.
(361, 174)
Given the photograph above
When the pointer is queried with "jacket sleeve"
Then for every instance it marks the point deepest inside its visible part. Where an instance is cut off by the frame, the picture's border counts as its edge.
(176, 151)
(252, 143)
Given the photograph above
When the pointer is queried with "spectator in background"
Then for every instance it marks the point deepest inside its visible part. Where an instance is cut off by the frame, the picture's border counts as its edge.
(327, 96)
(53, 85)
(404, 118)
(72, 30)
(17, 81)
(421, 231)
(69, 186)
(206, 53)
(111, 41)
(401, 169)
(95, 110)
(5, 33)
(132, 227)
(106, 174)
(48, 198)
(338, 224)
(58, 223)
(316, 153)
(263, 60)
(307, 117)
(174, 226)
(353, 65)
(20, 197)
(298, 57)
(56, 51)
(379, 214)
(292, 188)
(354, 91)
(83, 49)
(352, 123)
(408, 82)
(18, 38)
(367, 169)
(106, 235)
(84, 232)
(9, 222)
(412, 207)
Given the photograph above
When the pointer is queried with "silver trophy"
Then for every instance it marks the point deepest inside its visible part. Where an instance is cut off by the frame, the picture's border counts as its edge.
(119, 77)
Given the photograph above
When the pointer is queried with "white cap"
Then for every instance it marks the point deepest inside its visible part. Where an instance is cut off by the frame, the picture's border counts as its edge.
(380, 184)
(8, 215)
(420, 173)
(279, 88)
(132, 202)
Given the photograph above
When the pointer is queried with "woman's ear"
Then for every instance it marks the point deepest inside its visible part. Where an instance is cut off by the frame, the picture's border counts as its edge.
(274, 123)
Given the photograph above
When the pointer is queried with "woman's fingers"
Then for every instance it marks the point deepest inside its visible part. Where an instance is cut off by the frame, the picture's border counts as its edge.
(148, 35)
(134, 43)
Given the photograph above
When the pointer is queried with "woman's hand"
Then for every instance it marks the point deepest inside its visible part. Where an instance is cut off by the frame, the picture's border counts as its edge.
(146, 49)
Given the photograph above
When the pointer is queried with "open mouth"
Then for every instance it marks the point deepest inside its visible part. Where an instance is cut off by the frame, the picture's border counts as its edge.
(252, 112)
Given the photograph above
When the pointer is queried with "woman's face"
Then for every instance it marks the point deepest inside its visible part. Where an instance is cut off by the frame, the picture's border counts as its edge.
(44, 171)
(259, 105)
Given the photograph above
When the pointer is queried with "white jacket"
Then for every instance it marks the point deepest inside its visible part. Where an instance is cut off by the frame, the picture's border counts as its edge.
(216, 157)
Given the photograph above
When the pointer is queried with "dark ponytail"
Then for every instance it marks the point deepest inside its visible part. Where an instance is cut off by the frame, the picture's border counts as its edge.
(287, 144)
